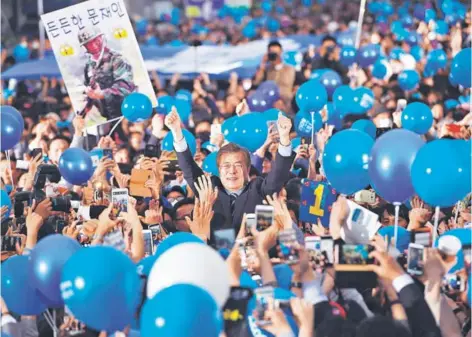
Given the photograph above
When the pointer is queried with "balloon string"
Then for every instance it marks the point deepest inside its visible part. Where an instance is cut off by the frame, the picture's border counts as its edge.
(115, 126)
(54, 320)
(50, 321)
(313, 133)
(456, 213)
(436, 223)
(397, 214)
(7, 154)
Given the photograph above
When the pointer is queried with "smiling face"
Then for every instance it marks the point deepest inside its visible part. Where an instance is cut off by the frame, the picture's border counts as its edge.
(233, 169)
(95, 45)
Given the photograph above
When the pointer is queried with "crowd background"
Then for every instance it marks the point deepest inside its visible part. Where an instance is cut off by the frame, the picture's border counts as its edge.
(409, 53)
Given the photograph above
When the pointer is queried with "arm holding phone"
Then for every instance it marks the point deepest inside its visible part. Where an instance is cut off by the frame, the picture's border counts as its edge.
(34, 221)
(79, 127)
(137, 245)
(263, 242)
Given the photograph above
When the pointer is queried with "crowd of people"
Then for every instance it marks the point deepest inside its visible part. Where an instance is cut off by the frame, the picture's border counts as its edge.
(196, 182)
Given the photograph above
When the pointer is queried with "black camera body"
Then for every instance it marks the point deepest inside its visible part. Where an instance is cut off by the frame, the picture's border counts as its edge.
(46, 171)
(272, 56)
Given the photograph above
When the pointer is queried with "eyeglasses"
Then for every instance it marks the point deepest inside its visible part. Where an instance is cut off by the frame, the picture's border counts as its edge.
(227, 166)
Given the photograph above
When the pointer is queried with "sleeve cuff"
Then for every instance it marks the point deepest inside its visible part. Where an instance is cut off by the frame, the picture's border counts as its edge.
(401, 282)
(313, 293)
(181, 145)
(285, 151)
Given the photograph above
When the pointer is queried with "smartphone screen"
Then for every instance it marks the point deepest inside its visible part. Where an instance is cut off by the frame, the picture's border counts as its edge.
(327, 247)
(224, 238)
(355, 254)
(313, 247)
(453, 282)
(148, 244)
(9, 243)
(250, 223)
(119, 199)
(108, 153)
(60, 224)
(34, 152)
(263, 296)
(415, 259)
(288, 246)
(422, 238)
(242, 253)
(264, 217)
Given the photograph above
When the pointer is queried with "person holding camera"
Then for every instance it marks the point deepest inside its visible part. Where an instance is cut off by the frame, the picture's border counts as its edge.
(329, 52)
(272, 68)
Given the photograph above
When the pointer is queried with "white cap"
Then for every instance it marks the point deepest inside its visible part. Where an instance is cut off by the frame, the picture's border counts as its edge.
(449, 245)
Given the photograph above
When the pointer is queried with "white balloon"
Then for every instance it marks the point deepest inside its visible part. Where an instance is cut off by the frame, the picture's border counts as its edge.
(191, 263)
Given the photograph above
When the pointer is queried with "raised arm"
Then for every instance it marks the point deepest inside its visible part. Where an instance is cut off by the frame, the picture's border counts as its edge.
(186, 161)
(280, 172)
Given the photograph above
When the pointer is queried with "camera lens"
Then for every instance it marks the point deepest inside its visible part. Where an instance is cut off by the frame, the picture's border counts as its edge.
(272, 56)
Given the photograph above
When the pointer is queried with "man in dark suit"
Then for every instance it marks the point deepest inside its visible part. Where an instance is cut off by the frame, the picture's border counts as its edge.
(236, 195)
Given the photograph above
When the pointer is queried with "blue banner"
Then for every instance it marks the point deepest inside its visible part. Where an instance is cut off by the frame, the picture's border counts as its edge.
(317, 199)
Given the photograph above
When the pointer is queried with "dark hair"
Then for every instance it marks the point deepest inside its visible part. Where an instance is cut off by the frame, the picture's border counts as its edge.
(233, 148)
(59, 137)
(274, 43)
(294, 189)
(183, 202)
(380, 326)
(329, 38)
(335, 327)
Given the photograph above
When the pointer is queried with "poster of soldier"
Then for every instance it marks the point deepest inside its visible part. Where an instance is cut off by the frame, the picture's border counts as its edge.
(99, 57)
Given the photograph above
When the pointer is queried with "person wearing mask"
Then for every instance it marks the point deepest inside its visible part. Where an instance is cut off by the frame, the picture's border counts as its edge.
(236, 194)
(272, 68)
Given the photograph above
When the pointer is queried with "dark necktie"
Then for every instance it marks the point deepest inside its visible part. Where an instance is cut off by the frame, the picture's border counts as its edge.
(232, 199)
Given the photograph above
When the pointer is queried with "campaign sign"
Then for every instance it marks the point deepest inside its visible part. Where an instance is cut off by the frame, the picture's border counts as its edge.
(316, 201)
(99, 57)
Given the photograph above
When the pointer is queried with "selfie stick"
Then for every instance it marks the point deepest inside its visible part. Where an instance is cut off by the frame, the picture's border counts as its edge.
(313, 133)
(397, 213)
(360, 20)
(436, 223)
(115, 126)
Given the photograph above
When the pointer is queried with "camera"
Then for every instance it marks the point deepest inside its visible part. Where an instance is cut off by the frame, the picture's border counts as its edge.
(46, 171)
(272, 56)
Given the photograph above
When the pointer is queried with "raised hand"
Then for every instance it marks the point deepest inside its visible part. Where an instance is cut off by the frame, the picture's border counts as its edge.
(339, 214)
(202, 215)
(303, 312)
(174, 123)
(44, 209)
(79, 125)
(154, 214)
(71, 231)
(284, 124)
(205, 190)
(281, 214)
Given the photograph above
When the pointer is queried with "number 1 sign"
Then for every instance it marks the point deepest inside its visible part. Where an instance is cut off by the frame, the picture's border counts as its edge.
(317, 198)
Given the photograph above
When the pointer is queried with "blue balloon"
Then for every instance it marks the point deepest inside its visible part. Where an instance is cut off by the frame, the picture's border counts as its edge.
(363, 100)
(152, 41)
(330, 80)
(401, 34)
(454, 18)
(245, 280)
(136, 107)
(46, 264)
(250, 131)
(283, 274)
(272, 114)
(273, 25)
(417, 117)
(10, 130)
(209, 164)
(396, 52)
(257, 102)
(311, 96)
(346, 159)
(419, 12)
(76, 166)
(141, 26)
(386, 8)
(408, 79)
(227, 128)
(441, 182)
(168, 142)
(407, 21)
(436, 59)
(164, 104)
(429, 14)
(303, 123)
(347, 55)
(21, 53)
(461, 68)
(316, 73)
(368, 54)
(266, 6)
(346, 39)
(413, 38)
(390, 164)
(250, 30)
(375, 7)
(441, 27)
(175, 16)
(380, 69)
(105, 295)
(403, 238)
(8, 109)
(176, 43)
(417, 52)
(184, 108)
(5, 201)
(365, 125)
(293, 58)
(343, 99)
(269, 91)
(168, 313)
(18, 291)
(181, 94)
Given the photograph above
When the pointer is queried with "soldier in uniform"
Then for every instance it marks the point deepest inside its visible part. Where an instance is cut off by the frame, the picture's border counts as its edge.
(108, 76)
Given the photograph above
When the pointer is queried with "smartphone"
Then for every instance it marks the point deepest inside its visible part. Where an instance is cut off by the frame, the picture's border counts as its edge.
(264, 296)
(415, 259)
(453, 282)
(235, 309)
(313, 247)
(422, 237)
(34, 152)
(354, 254)
(272, 125)
(9, 243)
(119, 199)
(327, 247)
(108, 153)
(156, 231)
(60, 224)
(365, 196)
(288, 246)
(215, 129)
(264, 217)
(115, 239)
(151, 151)
(98, 194)
(148, 242)
(250, 223)
(466, 251)
(401, 104)
(242, 252)
(22, 165)
(224, 238)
